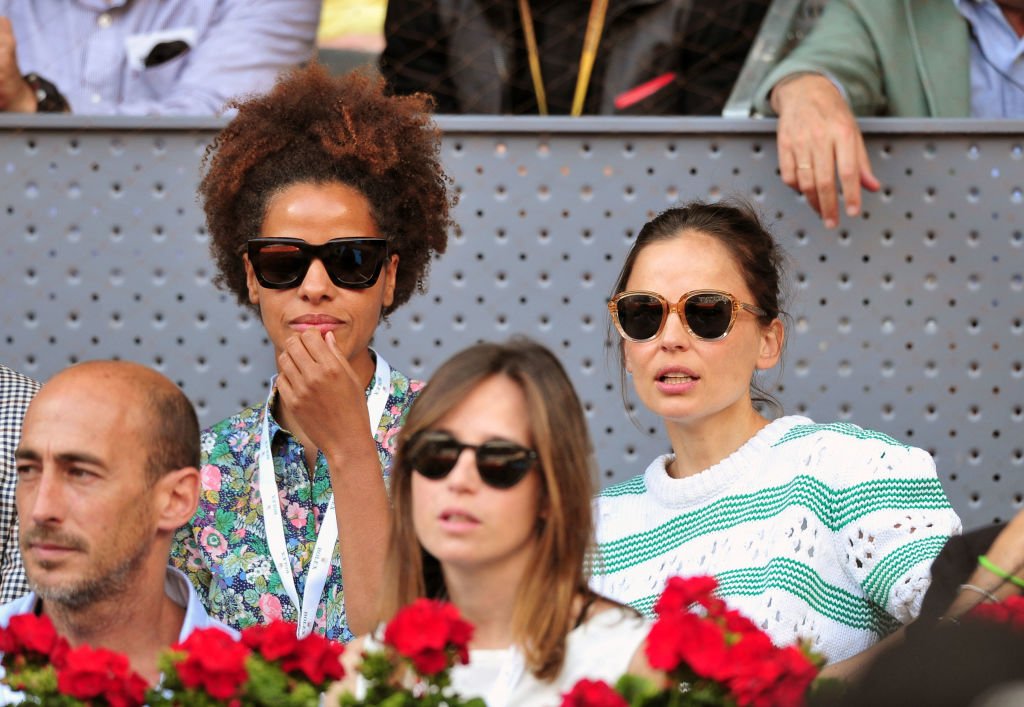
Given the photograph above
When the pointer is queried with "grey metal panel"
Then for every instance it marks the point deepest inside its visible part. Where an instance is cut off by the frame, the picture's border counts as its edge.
(908, 319)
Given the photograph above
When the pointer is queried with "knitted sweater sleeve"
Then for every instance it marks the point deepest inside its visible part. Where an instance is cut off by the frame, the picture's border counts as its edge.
(889, 512)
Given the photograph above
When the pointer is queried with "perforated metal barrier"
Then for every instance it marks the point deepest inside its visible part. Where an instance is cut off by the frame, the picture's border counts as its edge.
(908, 320)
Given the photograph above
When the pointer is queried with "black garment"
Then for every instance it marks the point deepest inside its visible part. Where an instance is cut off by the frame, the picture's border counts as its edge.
(943, 665)
(471, 55)
(951, 568)
(949, 667)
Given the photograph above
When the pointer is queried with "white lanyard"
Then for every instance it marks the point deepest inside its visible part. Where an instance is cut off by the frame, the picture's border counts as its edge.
(327, 538)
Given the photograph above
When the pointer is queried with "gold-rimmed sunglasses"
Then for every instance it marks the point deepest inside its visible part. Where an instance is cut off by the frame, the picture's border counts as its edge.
(708, 315)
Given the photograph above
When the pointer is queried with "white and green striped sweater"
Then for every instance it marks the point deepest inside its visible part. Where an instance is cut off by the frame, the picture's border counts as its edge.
(816, 532)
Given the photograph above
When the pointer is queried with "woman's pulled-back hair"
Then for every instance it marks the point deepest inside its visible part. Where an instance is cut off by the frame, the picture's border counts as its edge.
(735, 224)
(543, 615)
(316, 128)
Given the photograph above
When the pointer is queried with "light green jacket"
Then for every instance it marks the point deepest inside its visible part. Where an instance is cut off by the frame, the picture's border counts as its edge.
(904, 58)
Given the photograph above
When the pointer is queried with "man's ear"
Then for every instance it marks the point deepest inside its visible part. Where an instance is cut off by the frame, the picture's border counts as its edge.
(177, 496)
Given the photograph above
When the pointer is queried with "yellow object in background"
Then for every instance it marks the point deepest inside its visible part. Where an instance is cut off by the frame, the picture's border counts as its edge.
(352, 24)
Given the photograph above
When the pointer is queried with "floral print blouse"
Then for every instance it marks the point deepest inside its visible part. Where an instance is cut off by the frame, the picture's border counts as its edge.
(223, 549)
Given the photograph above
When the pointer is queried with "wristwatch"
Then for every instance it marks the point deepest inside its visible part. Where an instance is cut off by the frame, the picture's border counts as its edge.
(48, 98)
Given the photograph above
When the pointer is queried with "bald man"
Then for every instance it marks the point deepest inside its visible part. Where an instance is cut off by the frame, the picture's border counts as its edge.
(107, 470)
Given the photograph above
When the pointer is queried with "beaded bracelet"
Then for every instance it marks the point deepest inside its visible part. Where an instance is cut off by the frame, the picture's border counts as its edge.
(984, 592)
(999, 571)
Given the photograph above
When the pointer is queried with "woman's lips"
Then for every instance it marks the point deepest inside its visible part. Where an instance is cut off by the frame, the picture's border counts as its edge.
(321, 322)
(456, 520)
(676, 380)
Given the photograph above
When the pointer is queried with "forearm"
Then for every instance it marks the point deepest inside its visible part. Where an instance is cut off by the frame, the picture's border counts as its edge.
(853, 669)
(981, 587)
(840, 46)
(364, 523)
(802, 87)
(1001, 578)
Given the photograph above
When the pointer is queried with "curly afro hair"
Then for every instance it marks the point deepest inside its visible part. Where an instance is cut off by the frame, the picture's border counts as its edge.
(316, 128)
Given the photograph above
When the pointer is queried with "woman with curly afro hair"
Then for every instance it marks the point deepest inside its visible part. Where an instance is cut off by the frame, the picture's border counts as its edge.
(325, 201)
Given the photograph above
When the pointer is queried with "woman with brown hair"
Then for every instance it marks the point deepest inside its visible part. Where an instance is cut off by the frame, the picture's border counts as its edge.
(503, 532)
(325, 201)
(821, 533)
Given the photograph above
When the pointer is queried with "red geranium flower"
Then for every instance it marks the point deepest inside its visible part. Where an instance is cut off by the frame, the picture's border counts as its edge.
(1009, 611)
(703, 647)
(736, 623)
(686, 639)
(752, 669)
(593, 693)
(997, 613)
(426, 632)
(214, 662)
(798, 672)
(89, 673)
(722, 647)
(28, 633)
(317, 659)
(767, 676)
(272, 641)
(682, 592)
(313, 657)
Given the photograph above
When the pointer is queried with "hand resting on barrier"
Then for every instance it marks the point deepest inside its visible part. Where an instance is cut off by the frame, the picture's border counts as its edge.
(818, 137)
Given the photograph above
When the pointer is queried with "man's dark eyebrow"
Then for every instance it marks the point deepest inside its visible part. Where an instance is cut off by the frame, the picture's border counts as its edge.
(66, 458)
(79, 458)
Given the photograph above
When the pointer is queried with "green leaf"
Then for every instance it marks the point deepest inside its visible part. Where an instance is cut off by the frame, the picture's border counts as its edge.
(827, 691)
(224, 521)
(257, 545)
(220, 451)
(641, 692)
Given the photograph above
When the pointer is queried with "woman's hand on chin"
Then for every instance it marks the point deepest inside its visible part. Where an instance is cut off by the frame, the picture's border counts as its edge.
(322, 393)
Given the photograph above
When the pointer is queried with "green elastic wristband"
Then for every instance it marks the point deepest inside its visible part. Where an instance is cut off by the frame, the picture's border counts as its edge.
(999, 571)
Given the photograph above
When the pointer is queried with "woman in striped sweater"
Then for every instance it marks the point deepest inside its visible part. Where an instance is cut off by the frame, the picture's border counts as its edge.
(818, 532)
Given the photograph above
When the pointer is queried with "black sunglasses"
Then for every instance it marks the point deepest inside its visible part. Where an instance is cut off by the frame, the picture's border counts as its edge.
(500, 463)
(707, 314)
(352, 263)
